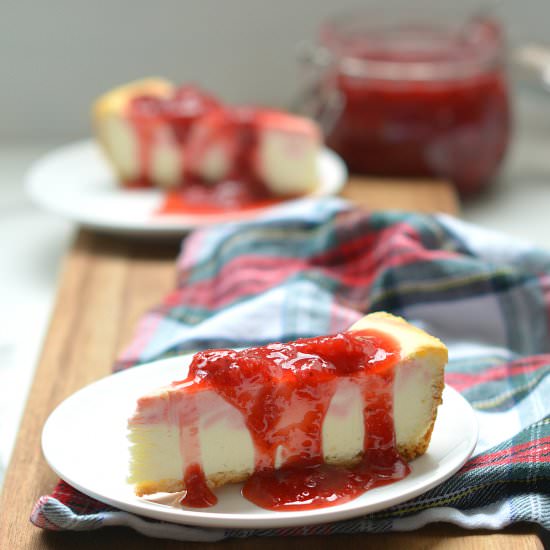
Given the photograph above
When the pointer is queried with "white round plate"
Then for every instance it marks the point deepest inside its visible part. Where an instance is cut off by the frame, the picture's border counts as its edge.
(85, 442)
(76, 182)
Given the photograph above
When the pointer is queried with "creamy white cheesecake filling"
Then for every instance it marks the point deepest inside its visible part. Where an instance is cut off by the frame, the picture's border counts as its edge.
(343, 431)
(225, 442)
(166, 163)
(121, 145)
(416, 381)
(214, 163)
(287, 162)
(155, 453)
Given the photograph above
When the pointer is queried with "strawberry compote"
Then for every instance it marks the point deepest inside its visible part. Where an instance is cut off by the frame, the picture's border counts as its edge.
(418, 100)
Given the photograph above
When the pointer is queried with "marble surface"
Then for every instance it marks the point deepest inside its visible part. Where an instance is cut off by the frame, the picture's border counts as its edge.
(33, 243)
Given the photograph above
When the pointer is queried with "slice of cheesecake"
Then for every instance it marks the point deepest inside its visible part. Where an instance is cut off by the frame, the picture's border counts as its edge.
(155, 134)
(369, 394)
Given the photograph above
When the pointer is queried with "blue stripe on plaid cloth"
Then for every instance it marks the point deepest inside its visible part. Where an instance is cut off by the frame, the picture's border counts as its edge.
(316, 268)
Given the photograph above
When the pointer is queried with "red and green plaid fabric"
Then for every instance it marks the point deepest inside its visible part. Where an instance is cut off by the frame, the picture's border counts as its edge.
(316, 268)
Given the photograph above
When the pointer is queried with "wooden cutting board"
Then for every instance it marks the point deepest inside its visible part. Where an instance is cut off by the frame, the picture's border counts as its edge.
(106, 284)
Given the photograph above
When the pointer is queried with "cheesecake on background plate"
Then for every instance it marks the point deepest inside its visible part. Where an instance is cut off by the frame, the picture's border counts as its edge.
(155, 134)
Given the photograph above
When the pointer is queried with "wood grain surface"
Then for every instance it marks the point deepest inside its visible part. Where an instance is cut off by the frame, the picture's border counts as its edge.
(106, 284)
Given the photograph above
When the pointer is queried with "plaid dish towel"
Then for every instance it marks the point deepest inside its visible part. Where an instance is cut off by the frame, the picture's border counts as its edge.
(315, 269)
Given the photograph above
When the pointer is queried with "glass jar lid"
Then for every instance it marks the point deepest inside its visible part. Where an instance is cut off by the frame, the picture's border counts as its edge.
(406, 46)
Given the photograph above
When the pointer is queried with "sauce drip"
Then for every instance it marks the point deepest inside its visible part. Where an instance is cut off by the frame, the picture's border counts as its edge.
(283, 392)
(198, 494)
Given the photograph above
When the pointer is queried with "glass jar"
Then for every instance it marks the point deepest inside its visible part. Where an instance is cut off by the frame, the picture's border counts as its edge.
(414, 98)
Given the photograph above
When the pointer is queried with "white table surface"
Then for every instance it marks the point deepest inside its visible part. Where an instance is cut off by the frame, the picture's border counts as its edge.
(33, 242)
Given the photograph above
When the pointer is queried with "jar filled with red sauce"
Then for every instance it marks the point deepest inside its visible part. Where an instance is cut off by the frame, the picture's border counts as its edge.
(415, 99)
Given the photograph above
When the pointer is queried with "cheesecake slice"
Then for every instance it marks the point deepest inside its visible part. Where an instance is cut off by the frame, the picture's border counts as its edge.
(366, 398)
(155, 134)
